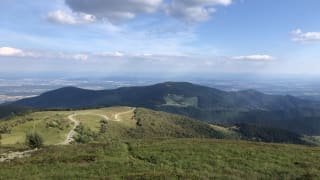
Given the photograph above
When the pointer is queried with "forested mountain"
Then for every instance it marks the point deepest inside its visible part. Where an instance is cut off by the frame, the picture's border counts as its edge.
(200, 102)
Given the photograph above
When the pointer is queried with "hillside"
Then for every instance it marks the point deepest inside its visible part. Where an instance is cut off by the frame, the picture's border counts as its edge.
(168, 159)
(122, 123)
(99, 125)
(138, 143)
(199, 102)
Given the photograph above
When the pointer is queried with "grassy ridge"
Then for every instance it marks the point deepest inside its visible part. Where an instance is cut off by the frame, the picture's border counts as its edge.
(155, 124)
(142, 124)
(168, 159)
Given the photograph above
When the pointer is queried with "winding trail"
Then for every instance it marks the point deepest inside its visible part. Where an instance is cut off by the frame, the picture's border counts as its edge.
(13, 155)
(70, 135)
(103, 116)
(116, 116)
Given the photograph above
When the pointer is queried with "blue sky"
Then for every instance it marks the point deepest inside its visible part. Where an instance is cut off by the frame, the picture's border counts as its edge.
(160, 36)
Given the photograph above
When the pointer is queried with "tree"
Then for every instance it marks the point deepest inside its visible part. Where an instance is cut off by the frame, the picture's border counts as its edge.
(34, 140)
(103, 121)
(103, 126)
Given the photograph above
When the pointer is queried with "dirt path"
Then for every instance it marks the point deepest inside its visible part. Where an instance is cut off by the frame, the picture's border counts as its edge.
(13, 155)
(70, 135)
(103, 116)
(117, 116)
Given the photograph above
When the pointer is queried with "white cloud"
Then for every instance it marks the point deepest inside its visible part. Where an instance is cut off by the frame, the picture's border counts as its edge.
(14, 52)
(300, 36)
(87, 18)
(8, 51)
(194, 10)
(112, 54)
(63, 17)
(255, 57)
(114, 10)
(82, 57)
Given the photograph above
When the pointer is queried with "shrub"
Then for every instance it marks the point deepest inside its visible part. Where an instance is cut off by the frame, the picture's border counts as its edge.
(138, 122)
(85, 135)
(103, 128)
(5, 129)
(34, 140)
(103, 121)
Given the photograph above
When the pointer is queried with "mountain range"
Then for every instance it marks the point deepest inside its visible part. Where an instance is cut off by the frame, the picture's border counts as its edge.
(203, 103)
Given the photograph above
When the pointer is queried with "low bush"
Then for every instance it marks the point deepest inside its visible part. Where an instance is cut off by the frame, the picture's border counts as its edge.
(34, 140)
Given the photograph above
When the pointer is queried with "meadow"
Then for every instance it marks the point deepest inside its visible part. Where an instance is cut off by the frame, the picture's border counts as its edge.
(168, 159)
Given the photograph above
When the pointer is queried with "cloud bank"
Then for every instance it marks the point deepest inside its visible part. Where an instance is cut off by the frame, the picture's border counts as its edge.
(114, 10)
(255, 57)
(63, 17)
(119, 10)
(300, 36)
(15, 52)
(194, 10)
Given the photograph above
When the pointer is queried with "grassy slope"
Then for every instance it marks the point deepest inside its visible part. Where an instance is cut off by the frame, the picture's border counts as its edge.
(143, 123)
(37, 122)
(115, 129)
(152, 124)
(155, 124)
(118, 155)
(171, 158)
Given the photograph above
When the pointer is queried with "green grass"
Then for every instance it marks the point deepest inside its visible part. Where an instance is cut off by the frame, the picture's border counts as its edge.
(150, 145)
(90, 121)
(45, 123)
(143, 123)
(12, 148)
(168, 159)
(53, 126)
(155, 124)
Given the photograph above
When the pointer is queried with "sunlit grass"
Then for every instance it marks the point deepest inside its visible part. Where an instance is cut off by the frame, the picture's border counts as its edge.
(168, 159)
(37, 123)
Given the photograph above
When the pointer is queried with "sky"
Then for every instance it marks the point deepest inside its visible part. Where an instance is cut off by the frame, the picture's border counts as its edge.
(177, 37)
